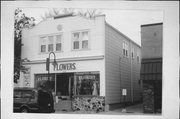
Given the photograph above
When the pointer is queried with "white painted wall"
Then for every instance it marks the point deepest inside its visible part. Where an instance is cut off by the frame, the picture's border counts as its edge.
(30, 37)
(81, 66)
(31, 46)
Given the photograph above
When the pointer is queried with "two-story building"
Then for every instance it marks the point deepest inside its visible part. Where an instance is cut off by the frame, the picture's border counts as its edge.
(95, 62)
(151, 66)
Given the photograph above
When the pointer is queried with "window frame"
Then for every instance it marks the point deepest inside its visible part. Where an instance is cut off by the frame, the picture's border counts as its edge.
(138, 57)
(97, 79)
(76, 40)
(60, 42)
(132, 52)
(48, 43)
(80, 40)
(40, 44)
(126, 49)
(54, 42)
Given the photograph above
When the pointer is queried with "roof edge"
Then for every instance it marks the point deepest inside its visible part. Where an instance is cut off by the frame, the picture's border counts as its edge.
(160, 23)
(63, 16)
(122, 34)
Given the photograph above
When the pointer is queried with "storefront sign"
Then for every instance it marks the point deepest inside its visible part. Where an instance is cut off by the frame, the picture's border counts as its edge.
(124, 92)
(68, 66)
(87, 77)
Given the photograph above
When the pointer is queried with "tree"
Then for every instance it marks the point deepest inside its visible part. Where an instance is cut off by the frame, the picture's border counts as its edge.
(87, 13)
(21, 21)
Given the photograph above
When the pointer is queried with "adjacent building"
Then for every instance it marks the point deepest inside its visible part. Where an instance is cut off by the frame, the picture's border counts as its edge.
(151, 67)
(95, 62)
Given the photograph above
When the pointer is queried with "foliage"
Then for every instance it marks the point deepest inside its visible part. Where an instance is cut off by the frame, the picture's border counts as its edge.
(87, 13)
(21, 21)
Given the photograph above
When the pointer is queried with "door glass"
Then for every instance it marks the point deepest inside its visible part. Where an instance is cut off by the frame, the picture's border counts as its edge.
(64, 84)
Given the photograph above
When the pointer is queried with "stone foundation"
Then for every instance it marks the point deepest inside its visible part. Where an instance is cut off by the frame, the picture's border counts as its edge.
(148, 98)
(88, 103)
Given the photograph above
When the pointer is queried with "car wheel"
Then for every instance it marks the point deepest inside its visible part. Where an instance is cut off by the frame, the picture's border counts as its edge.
(24, 110)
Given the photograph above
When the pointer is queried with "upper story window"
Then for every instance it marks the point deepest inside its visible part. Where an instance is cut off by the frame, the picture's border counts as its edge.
(125, 49)
(50, 43)
(132, 52)
(58, 42)
(138, 57)
(85, 39)
(43, 44)
(80, 40)
(76, 40)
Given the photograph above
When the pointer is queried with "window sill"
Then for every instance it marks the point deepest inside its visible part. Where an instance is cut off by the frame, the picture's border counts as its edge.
(80, 49)
(86, 95)
(125, 56)
(41, 53)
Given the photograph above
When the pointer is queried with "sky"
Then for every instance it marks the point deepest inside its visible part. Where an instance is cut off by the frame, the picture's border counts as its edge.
(127, 22)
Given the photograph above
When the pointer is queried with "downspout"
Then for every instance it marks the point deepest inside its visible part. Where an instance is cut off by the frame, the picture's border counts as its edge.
(120, 78)
(132, 99)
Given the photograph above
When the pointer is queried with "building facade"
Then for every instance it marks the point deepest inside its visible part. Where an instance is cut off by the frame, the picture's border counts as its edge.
(95, 62)
(151, 67)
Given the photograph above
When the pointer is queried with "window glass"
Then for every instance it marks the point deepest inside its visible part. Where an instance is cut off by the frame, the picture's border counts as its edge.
(58, 43)
(84, 40)
(125, 49)
(43, 44)
(50, 43)
(124, 52)
(87, 83)
(85, 35)
(76, 39)
(76, 45)
(81, 40)
(132, 52)
(132, 55)
(85, 44)
(138, 58)
(76, 36)
(42, 80)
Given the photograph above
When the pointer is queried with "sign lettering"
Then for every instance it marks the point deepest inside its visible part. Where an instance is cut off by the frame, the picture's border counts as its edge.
(68, 66)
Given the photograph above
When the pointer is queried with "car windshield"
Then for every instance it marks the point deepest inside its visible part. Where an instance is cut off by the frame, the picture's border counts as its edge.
(23, 94)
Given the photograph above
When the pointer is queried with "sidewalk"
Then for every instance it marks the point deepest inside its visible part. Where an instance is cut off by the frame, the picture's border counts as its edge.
(134, 109)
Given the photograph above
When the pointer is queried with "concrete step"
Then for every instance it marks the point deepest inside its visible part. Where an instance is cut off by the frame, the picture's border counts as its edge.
(63, 105)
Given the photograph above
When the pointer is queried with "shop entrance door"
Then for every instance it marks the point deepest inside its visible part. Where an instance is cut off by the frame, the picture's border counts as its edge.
(64, 84)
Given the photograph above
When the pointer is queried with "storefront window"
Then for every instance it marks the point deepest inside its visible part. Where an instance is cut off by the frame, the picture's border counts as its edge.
(43, 82)
(87, 83)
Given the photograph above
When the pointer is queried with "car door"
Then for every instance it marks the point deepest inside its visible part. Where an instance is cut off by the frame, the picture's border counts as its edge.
(17, 100)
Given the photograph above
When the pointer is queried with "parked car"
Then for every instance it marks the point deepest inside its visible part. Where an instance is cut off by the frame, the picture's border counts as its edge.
(33, 100)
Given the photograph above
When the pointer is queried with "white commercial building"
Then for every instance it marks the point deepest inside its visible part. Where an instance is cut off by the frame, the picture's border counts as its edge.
(95, 61)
